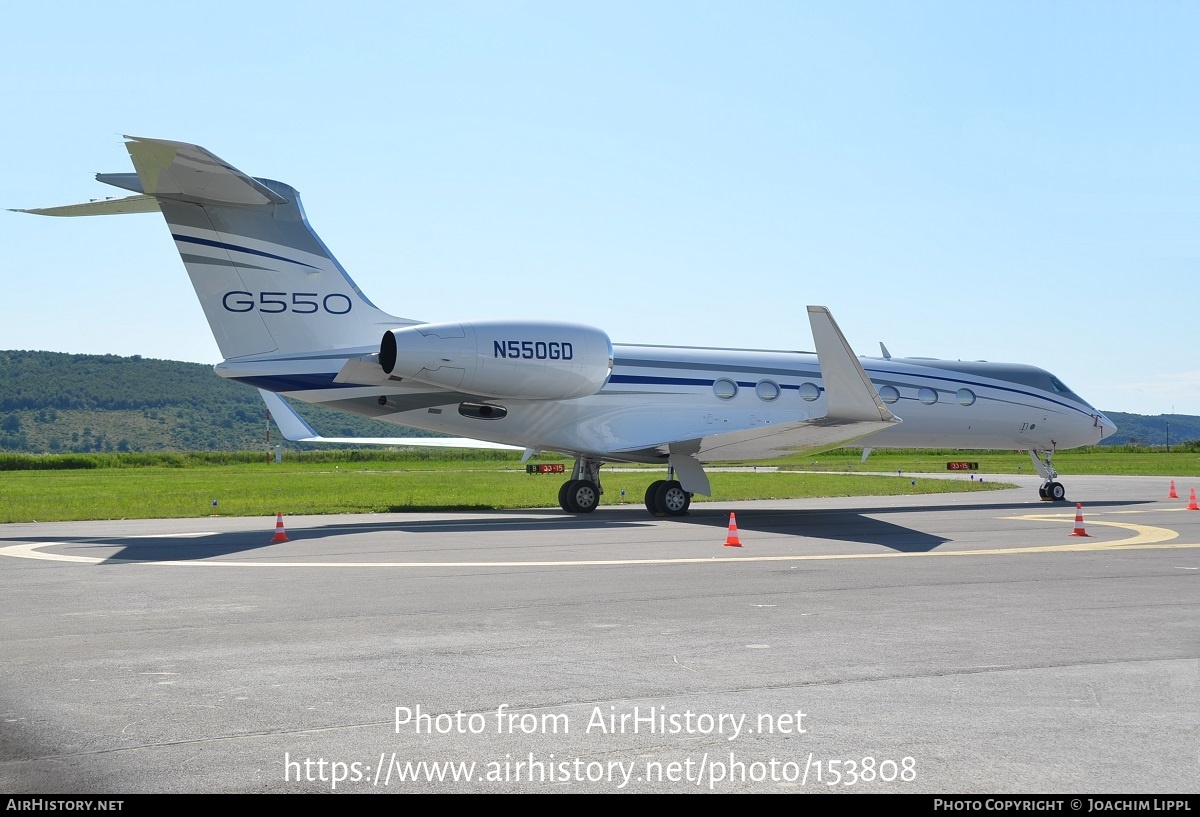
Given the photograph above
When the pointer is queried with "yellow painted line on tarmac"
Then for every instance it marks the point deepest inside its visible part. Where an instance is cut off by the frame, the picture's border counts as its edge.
(1148, 510)
(1144, 537)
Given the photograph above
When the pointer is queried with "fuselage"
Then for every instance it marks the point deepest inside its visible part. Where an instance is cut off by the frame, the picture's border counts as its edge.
(660, 393)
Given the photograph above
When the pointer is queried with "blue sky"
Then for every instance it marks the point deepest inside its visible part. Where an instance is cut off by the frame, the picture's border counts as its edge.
(1002, 181)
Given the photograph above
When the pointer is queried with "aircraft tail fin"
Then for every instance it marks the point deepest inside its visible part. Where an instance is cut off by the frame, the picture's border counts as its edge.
(266, 282)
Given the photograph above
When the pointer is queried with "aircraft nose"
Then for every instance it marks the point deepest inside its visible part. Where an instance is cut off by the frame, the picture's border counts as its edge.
(1107, 427)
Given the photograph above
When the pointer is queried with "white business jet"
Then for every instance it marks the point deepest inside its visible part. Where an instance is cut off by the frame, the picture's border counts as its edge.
(289, 320)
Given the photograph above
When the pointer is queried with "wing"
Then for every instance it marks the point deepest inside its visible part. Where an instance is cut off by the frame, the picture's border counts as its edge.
(293, 428)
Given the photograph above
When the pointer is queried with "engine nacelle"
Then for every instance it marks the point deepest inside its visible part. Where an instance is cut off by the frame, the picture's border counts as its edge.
(527, 361)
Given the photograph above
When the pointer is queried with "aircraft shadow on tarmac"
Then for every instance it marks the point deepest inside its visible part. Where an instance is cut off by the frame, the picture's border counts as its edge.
(850, 525)
(860, 525)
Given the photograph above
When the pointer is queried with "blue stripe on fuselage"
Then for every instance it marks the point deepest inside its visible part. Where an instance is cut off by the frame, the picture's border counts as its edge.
(1036, 395)
(647, 380)
(659, 381)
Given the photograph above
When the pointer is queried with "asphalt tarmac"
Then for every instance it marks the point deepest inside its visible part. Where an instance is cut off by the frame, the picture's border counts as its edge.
(958, 643)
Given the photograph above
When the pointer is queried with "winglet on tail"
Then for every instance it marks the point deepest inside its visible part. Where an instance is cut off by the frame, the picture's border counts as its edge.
(848, 390)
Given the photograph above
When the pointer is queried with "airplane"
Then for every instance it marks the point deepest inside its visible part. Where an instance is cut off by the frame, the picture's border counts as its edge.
(289, 320)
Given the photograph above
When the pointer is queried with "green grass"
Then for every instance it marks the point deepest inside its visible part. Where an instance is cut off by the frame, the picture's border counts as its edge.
(1081, 461)
(419, 458)
(1096, 460)
(262, 490)
(145, 486)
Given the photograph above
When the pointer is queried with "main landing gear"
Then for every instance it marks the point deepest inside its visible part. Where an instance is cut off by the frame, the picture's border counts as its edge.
(1052, 490)
(666, 497)
(581, 493)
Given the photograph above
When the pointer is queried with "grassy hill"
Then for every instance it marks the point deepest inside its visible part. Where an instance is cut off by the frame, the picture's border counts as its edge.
(52, 402)
(1143, 430)
(58, 403)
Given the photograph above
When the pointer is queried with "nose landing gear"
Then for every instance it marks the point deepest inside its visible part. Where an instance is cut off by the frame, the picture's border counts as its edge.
(1052, 490)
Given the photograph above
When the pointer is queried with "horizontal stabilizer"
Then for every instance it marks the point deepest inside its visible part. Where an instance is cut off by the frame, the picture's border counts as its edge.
(100, 207)
(293, 428)
(177, 170)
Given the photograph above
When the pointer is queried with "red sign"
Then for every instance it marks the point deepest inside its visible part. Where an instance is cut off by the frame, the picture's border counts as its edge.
(962, 466)
(546, 468)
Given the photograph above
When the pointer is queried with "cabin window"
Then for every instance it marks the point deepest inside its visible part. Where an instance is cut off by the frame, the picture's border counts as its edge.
(927, 396)
(725, 388)
(889, 394)
(966, 397)
(767, 390)
(809, 391)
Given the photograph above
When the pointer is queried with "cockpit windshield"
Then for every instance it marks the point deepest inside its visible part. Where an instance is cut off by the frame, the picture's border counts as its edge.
(1059, 388)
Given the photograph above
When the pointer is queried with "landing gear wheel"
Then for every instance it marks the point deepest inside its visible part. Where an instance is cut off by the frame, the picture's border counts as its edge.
(581, 495)
(673, 500)
(562, 496)
(1056, 492)
(651, 504)
(1042, 493)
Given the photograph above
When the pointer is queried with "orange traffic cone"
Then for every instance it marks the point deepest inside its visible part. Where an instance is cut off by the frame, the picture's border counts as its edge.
(1192, 506)
(280, 533)
(732, 541)
(1171, 494)
(1079, 531)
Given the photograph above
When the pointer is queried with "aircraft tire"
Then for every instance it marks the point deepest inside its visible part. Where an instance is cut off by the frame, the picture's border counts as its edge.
(562, 496)
(673, 500)
(651, 498)
(582, 496)
(1056, 492)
